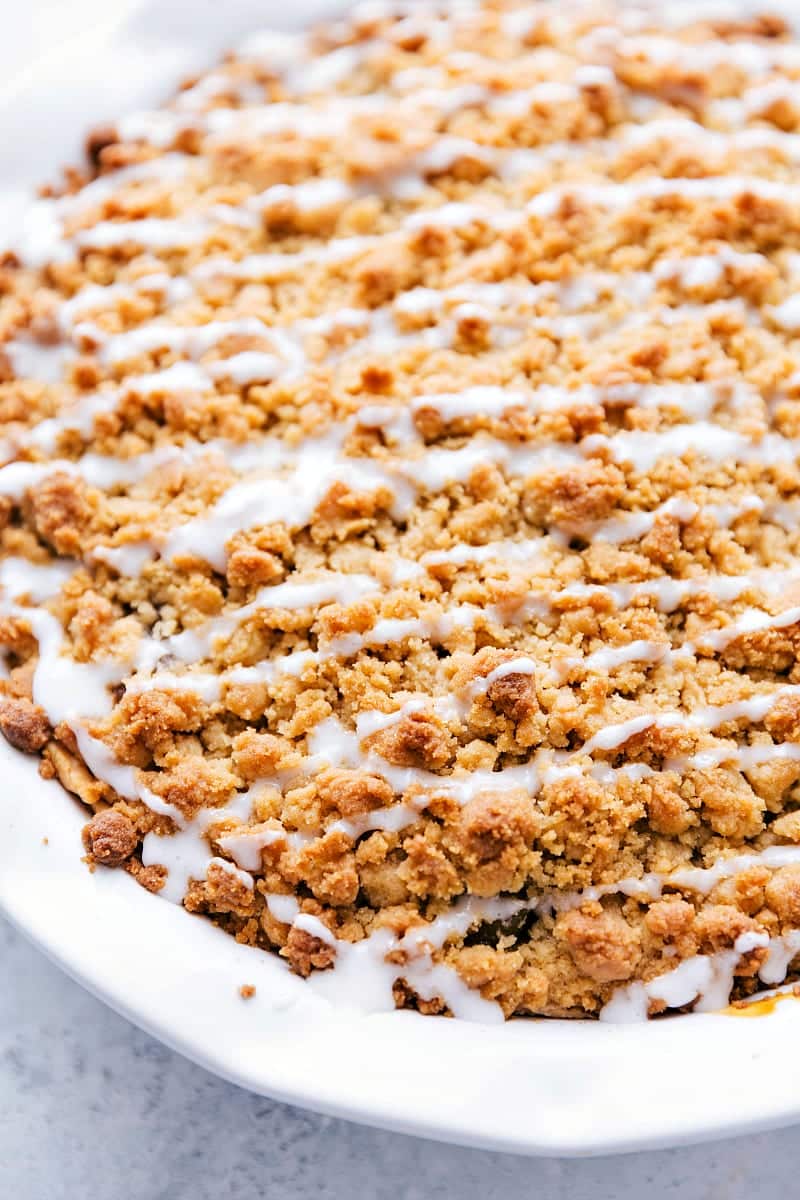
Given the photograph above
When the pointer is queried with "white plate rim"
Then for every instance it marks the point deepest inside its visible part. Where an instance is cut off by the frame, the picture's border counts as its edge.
(531, 1087)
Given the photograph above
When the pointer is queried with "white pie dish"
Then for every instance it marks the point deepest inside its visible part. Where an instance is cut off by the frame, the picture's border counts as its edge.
(536, 1087)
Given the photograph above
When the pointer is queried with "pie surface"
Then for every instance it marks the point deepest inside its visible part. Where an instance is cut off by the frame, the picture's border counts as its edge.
(399, 517)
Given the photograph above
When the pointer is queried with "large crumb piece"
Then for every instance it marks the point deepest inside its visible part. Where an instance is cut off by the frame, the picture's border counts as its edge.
(24, 724)
(110, 837)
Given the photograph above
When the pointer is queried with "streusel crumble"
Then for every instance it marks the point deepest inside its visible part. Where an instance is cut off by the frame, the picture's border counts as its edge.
(400, 513)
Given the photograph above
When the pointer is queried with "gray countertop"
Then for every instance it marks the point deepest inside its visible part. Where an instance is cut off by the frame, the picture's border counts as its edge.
(90, 1107)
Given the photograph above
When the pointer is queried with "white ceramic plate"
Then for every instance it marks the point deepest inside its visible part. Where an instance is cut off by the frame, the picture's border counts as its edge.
(538, 1087)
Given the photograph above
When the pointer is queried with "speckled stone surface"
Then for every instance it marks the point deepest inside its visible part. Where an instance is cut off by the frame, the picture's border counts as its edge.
(90, 1107)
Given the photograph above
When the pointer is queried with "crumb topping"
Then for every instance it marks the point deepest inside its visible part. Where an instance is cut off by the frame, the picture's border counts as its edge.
(400, 503)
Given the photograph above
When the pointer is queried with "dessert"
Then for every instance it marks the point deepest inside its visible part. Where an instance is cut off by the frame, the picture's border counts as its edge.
(400, 552)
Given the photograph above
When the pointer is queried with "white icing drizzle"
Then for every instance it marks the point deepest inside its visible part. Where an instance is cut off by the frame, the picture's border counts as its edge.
(669, 593)
(245, 847)
(704, 980)
(41, 239)
(198, 642)
(20, 578)
(782, 950)
(315, 466)
(363, 978)
(186, 853)
(332, 743)
(182, 233)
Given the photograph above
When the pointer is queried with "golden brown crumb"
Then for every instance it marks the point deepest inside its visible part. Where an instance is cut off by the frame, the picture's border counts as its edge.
(59, 512)
(110, 837)
(23, 724)
(600, 942)
(306, 953)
